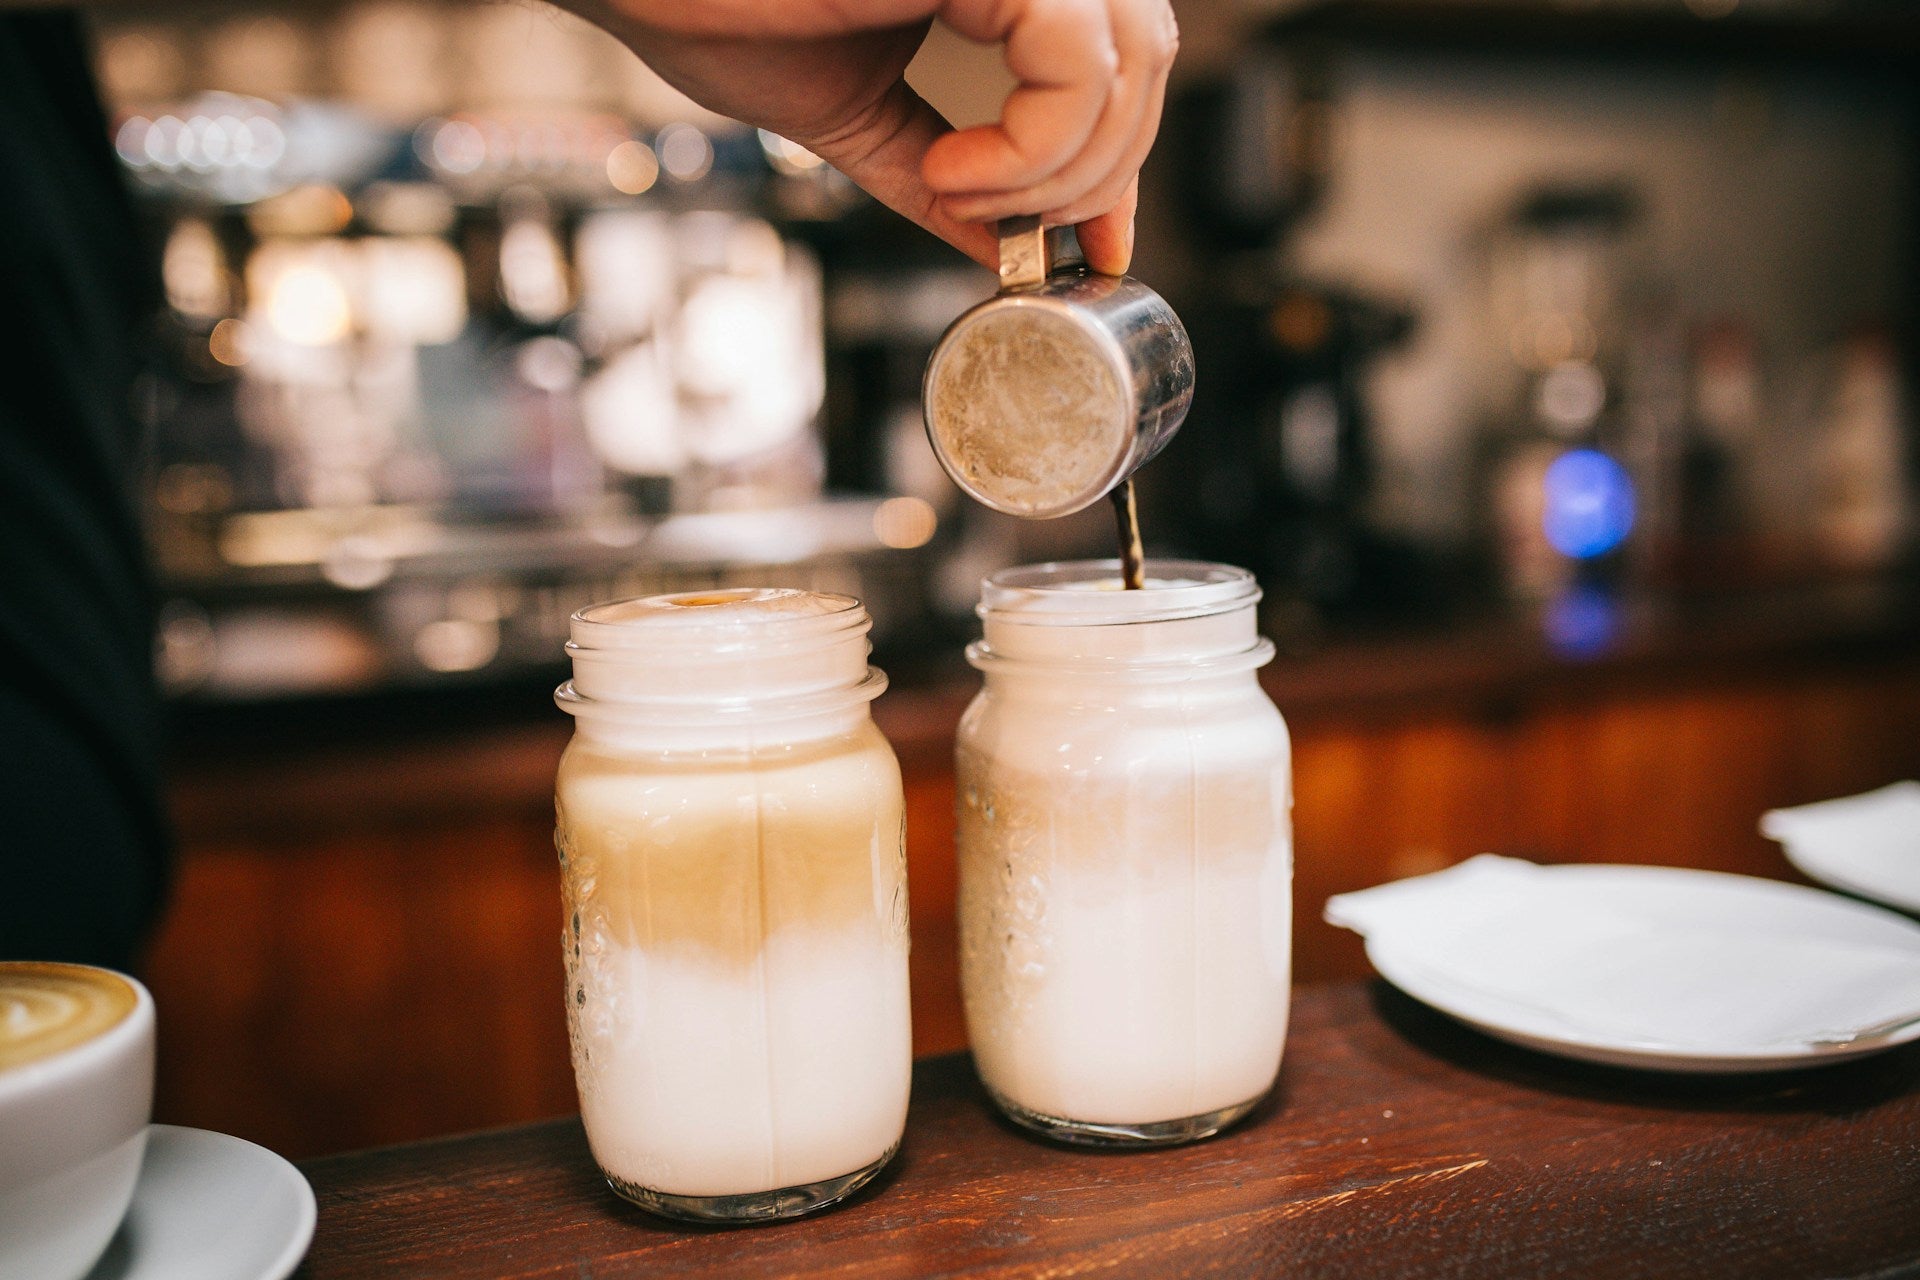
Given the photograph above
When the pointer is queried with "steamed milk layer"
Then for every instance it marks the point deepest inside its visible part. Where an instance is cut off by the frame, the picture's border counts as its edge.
(1126, 866)
(736, 939)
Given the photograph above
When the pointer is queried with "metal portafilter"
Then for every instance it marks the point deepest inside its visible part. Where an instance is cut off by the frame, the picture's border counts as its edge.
(1045, 397)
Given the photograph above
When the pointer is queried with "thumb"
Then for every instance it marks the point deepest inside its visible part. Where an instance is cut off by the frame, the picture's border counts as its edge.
(1108, 239)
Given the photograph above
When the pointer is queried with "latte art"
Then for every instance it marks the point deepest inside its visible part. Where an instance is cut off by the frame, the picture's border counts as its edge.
(47, 1009)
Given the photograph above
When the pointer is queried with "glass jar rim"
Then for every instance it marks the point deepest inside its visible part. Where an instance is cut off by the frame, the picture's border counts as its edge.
(1171, 669)
(1088, 593)
(719, 655)
(775, 620)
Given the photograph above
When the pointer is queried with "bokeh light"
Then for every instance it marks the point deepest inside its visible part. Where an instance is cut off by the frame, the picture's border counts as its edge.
(632, 167)
(905, 523)
(1589, 506)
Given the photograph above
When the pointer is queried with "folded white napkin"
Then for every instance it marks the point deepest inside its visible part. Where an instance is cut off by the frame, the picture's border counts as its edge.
(1867, 844)
(1709, 967)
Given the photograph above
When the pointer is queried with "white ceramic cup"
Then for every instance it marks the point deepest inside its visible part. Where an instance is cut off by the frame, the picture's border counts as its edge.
(73, 1131)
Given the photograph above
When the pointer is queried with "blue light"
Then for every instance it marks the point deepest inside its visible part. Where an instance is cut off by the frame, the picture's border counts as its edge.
(1582, 621)
(1589, 504)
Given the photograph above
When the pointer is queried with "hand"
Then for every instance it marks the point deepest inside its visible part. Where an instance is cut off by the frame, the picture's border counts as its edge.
(1091, 78)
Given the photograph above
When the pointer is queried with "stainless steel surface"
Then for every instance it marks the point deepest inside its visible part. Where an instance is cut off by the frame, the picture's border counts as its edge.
(1041, 399)
(1023, 254)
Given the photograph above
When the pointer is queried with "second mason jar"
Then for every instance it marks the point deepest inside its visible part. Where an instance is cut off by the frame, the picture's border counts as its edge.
(1126, 854)
(734, 873)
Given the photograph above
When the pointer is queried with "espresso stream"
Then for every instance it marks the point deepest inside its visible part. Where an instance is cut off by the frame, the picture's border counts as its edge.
(1132, 559)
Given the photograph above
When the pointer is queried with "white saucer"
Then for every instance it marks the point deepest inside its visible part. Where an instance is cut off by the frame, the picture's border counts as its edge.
(1650, 967)
(210, 1207)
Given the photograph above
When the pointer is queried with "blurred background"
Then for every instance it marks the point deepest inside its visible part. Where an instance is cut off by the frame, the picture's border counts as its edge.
(1556, 367)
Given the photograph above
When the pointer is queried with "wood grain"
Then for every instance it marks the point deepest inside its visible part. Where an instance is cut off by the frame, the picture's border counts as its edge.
(1400, 1144)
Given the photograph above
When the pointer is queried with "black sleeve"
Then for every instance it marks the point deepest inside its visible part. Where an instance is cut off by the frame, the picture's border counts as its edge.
(82, 842)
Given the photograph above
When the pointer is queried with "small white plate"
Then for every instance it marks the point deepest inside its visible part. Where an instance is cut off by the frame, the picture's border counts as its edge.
(1866, 844)
(1731, 940)
(210, 1207)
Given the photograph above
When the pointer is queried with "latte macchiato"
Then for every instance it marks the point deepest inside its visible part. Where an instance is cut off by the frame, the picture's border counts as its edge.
(47, 1009)
(1125, 853)
(730, 830)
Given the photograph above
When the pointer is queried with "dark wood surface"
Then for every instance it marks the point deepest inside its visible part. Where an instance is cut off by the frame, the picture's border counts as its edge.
(1398, 1144)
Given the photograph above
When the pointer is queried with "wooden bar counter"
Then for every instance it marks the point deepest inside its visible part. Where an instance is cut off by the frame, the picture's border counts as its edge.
(1399, 1144)
(363, 942)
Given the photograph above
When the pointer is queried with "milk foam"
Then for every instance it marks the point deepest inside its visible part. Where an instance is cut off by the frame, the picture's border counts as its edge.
(46, 1009)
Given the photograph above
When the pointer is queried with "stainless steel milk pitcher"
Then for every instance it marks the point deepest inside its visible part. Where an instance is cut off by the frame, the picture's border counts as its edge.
(1043, 398)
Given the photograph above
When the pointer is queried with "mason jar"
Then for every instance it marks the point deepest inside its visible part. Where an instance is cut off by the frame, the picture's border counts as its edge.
(729, 823)
(1126, 853)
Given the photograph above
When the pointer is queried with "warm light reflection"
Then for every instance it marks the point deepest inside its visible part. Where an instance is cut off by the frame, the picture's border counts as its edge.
(905, 523)
(632, 167)
(191, 489)
(722, 329)
(140, 65)
(548, 364)
(1553, 338)
(685, 153)
(631, 413)
(533, 271)
(786, 156)
(356, 563)
(194, 270)
(455, 146)
(415, 289)
(308, 305)
(456, 644)
(228, 343)
(311, 209)
(407, 209)
(1571, 396)
(537, 145)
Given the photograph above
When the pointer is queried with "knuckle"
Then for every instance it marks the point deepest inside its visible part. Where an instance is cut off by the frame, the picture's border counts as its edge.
(1088, 24)
(1027, 160)
(1103, 199)
(1075, 212)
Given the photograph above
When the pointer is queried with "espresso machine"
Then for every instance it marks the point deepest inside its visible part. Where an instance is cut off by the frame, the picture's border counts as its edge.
(418, 392)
